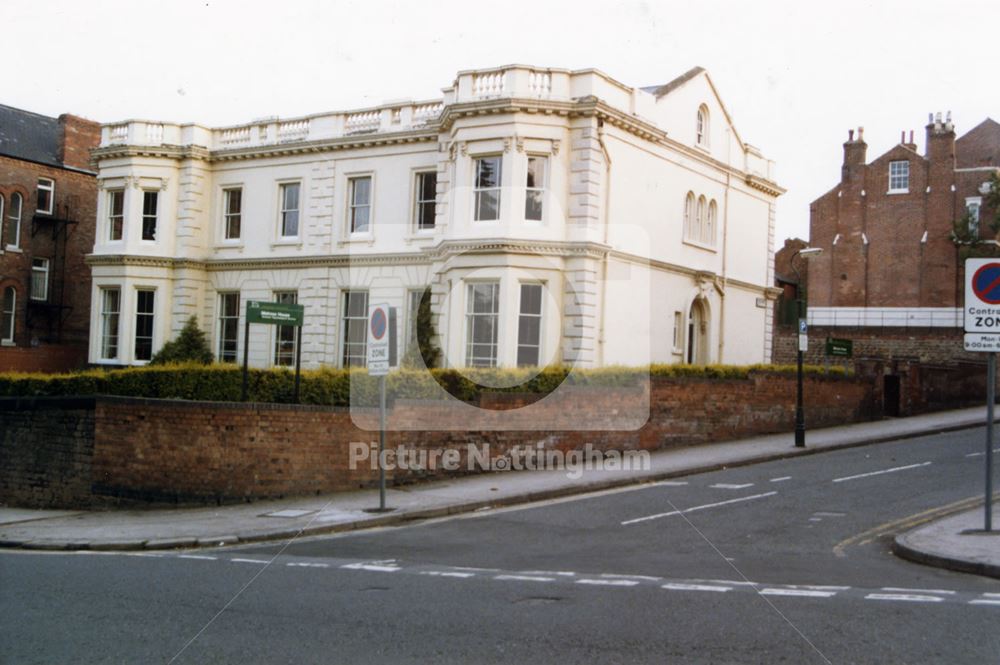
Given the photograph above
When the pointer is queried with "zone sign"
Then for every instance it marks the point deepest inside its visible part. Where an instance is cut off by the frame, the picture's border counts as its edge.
(982, 296)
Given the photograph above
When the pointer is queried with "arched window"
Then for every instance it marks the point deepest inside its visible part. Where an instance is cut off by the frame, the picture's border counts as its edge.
(713, 212)
(701, 133)
(702, 220)
(14, 221)
(689, 219)
(7, 315)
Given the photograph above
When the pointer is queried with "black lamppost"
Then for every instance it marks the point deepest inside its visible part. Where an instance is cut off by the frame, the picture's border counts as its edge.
(800, 417)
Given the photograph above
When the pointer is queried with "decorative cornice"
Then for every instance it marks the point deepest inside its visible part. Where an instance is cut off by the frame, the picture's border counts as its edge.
(764, 185)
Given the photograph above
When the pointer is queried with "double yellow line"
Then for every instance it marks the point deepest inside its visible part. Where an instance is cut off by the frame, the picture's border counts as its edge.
(906, 523)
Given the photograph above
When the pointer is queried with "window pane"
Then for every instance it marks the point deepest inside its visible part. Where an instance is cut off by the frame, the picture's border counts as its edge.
(290, 223)
(488, 172)
(533, 205)
(110, 302)
(361, 194)
(428, 186)
(229, 323)
(291, 196)
(426, 199)
(149, 200)
(359, 222)
(488, 205)
(284, 336)
(531, 299)
(7, 322)
(144, 324)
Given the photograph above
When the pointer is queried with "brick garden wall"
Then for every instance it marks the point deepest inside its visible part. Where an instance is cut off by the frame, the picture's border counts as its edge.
(123, 450)
(46, 451)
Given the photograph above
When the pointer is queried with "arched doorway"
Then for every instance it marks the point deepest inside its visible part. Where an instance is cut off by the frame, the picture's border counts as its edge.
(697, 334)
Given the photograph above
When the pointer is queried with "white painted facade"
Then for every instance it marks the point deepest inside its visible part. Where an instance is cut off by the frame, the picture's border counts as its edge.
(626, 278)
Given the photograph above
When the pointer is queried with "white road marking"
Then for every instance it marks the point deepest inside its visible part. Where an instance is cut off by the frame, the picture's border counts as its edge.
(477, 570)
(677, 586)
(440, 573)
(980, 454)
(730, 486)
(561, 573)
(197, 556)
(820, 513)
(730, 582)
(631, 577)
(991, 595)
(879, 473)
(308, 565)
(670, 483)
(984, 601)
(809, 593)
(781, 479)
(612, 582)
(912, 598)
(368, 566)
(247, 561)
(815, 519)
(696, 508)
(525, 578)
(905, 590)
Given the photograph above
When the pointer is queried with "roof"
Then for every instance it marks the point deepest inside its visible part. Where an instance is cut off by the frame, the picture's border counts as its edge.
(660, 90)
(29, 136)
(980, 146)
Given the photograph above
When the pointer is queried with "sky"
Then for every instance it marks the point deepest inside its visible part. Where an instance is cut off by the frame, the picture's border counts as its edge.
(795, 76)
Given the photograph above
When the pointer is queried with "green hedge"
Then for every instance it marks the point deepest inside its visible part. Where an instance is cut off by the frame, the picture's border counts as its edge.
(335, 387)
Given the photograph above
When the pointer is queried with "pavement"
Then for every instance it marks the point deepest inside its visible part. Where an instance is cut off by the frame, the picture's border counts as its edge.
(942, 543)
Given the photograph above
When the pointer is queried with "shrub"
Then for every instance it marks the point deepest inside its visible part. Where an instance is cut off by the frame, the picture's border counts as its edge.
(191, 345)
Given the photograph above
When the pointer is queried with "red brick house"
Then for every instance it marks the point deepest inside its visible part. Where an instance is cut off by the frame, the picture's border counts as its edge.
(48, 201)
(895, 232)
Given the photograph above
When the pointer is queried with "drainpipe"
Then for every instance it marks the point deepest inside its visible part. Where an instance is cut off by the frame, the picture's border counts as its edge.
(607, 221)
(725, 247)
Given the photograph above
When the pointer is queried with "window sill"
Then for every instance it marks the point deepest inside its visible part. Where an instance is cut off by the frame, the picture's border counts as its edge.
(7, 343)
(357, 239)
(108, 361)
(228, 245)
(701, 245)
(290, 242)
(416, 236)
(16, 250)
(892, 192)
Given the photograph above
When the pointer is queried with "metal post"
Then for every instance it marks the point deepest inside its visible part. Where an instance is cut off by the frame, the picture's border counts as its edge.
(800, 418)
(246, 357)
(381, 443)
(298, 359)
(991, 383)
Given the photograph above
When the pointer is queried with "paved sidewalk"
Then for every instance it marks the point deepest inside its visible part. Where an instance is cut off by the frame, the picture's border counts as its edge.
(271, 520)
(957, 543)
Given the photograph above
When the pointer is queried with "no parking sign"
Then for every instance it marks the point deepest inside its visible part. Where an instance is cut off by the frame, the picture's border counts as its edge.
(982, 304)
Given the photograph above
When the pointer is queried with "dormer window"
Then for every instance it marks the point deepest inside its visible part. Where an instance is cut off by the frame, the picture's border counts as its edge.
(899, 177)
(701, 129)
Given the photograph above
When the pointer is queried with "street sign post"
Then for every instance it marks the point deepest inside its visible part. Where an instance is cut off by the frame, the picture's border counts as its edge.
(378, 360)
(277, 314)
(803, 335)
(981, 311)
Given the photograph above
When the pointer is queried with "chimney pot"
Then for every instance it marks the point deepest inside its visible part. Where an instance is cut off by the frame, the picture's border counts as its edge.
(861, 133)
(850, 134)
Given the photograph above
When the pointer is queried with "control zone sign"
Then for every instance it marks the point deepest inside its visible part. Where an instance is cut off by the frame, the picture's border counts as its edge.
(982, 296)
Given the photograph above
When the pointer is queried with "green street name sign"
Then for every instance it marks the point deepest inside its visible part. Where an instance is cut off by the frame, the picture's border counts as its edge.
(274, 313)
(843, 348)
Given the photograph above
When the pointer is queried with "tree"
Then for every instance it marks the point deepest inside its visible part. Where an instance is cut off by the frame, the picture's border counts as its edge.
(191, 345)
(422, 345)
(992, 200)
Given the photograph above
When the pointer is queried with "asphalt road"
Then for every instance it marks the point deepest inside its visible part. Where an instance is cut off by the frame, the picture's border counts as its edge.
(783, 562)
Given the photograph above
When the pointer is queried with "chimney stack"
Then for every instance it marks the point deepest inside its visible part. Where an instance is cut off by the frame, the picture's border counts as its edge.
(854, 154)
(941, 140)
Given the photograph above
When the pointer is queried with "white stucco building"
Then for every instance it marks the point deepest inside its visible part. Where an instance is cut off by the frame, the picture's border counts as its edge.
(557, 217)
